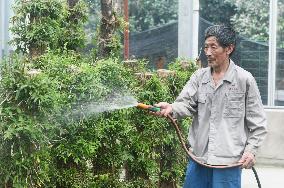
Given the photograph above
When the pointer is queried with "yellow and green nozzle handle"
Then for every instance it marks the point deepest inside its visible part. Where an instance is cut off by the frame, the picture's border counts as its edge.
(148, 107)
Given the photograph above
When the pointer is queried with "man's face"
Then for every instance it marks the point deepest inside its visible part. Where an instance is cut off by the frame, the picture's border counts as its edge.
(216, 54)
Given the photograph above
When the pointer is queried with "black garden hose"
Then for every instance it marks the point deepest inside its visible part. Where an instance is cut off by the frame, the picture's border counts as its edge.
(256, 177)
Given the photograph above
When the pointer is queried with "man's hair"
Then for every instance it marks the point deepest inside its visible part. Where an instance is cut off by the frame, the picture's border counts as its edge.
(225, 35)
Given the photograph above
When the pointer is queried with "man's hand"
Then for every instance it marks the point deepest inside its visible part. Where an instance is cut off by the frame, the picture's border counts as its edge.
(248, 160)
(166, 109)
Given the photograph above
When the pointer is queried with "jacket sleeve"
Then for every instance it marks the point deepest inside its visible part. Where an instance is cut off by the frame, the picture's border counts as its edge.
(186, 103)
(255, 118)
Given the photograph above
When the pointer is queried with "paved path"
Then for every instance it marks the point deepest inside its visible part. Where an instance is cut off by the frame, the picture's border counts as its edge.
(270, 177)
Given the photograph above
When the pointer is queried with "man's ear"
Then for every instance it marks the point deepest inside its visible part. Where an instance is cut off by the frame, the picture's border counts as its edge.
(230, 49)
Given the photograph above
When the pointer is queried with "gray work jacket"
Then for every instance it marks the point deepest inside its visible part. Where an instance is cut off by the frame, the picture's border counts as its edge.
(228, 119)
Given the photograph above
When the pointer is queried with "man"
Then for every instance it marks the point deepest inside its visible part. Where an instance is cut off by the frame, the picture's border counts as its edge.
(229, 123)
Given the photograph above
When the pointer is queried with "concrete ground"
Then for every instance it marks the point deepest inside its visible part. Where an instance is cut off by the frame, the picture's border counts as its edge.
(270, 177)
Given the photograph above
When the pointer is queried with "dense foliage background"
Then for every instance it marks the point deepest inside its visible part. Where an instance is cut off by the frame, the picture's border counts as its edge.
(44, 144)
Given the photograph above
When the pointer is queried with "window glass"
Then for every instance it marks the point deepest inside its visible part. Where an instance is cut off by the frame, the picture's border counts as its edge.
(279, 78)
(154, 31)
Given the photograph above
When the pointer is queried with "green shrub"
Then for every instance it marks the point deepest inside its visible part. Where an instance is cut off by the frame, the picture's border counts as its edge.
(44, 143)
(60, 119)
(40, 25)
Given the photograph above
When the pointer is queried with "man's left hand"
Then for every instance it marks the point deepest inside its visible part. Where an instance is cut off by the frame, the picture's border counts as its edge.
(248, 160)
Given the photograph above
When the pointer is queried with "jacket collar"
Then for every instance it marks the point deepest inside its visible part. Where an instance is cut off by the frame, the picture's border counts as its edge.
(228, 75)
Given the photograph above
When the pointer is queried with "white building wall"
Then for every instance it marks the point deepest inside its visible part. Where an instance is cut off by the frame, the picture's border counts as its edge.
(272, 150)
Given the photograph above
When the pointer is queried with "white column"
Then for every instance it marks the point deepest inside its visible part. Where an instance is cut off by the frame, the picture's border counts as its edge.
(5, 34)
(188, 24)
(195, 27)
(1, 27)
(272, 51)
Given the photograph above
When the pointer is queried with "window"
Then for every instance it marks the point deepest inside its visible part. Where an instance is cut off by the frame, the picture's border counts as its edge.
(279, 76)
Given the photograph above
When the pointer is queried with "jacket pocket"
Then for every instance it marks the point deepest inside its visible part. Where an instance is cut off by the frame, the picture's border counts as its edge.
(235, 105)
(202, 98)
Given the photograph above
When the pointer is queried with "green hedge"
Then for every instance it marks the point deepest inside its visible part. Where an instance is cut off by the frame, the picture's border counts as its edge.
(55, 127)
(44, 143)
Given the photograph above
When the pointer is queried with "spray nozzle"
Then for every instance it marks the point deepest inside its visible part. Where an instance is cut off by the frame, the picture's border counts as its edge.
(148, 107)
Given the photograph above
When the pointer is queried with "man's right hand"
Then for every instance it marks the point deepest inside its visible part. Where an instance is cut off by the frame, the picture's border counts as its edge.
(166, 109)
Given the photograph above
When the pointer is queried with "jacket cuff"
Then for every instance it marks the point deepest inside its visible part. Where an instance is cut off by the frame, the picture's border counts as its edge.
(175, 114)
(251, 149)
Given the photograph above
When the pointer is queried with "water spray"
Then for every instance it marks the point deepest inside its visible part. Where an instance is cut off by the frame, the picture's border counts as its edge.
(189, 151)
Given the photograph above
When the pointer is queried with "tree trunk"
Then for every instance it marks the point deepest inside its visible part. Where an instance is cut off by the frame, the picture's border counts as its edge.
(72, 14)
(107, 28)
(72, 3)
(118, 6)
(35, 49)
